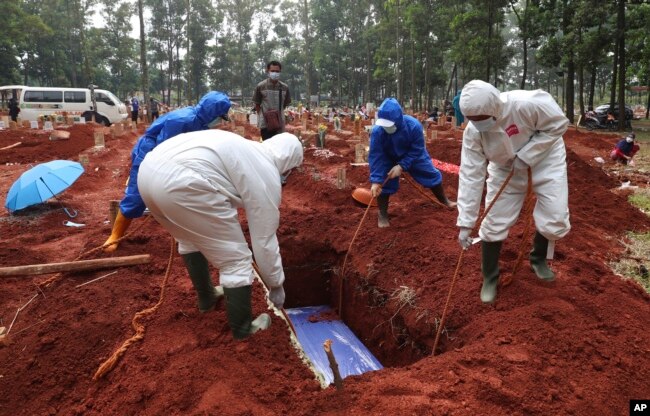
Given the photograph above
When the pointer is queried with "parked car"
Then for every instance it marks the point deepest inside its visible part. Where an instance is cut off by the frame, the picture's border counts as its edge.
(602, 110)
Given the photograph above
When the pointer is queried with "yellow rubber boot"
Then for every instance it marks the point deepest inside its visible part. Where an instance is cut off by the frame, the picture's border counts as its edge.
(119, 228)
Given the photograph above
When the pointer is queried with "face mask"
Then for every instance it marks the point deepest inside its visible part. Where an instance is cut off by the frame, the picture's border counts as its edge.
(484, 125)
(274, 75)
(214, 122)
(390, 130)
(629, 139)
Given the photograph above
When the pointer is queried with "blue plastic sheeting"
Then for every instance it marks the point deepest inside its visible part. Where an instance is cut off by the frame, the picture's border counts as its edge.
(351, 355)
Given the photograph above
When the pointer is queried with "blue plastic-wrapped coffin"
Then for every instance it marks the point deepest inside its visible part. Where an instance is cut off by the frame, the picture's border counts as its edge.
(313, 327)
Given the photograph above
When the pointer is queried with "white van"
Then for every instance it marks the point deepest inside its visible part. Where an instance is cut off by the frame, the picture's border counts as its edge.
(38, 101)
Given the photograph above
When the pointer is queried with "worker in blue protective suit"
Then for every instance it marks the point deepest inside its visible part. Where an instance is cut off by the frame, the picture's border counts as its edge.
(205, 114)
(397, 145)
(457, 111)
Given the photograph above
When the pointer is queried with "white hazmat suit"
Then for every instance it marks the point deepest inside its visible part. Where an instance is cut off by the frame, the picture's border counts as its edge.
(193, 185)
(529, 127)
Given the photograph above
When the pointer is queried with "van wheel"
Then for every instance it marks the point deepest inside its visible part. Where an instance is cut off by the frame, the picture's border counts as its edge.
(103, 121)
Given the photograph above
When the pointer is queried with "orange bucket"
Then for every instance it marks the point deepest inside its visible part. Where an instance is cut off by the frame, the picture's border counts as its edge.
(363, 196)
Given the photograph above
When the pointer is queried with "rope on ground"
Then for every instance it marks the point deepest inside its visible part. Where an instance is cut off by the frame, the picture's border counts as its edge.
(109, 364)
(477, 225)
(57, 276)
(419, 189)
(345, 259)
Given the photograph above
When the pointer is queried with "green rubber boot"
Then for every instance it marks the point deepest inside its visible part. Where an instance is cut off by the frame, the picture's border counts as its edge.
(197, 267)
(538, 258)
(239, 311)
(382, 204)
(490, 252)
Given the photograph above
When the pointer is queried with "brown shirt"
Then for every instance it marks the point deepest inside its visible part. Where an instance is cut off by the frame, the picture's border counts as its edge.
(267, 96)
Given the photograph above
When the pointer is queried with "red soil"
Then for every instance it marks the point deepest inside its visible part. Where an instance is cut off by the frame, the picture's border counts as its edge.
(576, 346)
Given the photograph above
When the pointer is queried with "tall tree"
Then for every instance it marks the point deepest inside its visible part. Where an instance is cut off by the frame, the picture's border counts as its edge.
(143, 57)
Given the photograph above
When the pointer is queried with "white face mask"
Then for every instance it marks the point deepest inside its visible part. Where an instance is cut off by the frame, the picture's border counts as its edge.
(629, 139)
(274, 75)
(390, 130)
(484, 125)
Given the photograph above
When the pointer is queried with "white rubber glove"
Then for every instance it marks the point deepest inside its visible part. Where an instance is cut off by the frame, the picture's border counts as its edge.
(464, 239)
(395, 172)
(375, 190)
(276, 295)
(520, 164)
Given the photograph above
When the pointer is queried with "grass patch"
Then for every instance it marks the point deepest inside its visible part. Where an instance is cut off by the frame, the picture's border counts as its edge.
(634, 263)
(641, 199)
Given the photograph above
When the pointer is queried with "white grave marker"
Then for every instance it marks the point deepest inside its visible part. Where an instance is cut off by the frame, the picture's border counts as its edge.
(252, 119)
(33, 124)
(48, 126)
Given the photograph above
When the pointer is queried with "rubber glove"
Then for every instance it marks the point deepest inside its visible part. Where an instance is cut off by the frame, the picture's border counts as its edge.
(464, 239)
(395, 172)
(375, 190)
(520, 164)
(276, 295)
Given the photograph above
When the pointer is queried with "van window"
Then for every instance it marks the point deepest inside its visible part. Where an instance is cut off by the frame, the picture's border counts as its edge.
(43, 96)
(75, 96)
(103, 98)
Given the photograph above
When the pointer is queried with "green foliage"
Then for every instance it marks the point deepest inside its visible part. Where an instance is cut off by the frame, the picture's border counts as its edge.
(351, 52)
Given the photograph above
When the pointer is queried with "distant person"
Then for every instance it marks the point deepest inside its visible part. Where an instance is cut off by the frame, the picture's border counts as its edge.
(213, 106)
(271, 97)
(135, 108)
(457, 113)
(511, 133)
(397, 145)
(433, 115)
(14, 109)
(625, 150)
(154, 108)
(193, 185)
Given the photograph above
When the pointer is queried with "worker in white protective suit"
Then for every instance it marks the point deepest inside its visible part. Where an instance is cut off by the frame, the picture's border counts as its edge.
(512, 130)
(193, 184)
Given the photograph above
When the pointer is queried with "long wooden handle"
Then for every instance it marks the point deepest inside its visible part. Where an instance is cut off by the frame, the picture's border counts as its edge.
(75, 266)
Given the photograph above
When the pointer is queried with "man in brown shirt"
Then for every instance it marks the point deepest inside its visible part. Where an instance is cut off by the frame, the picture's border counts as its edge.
(271, 94)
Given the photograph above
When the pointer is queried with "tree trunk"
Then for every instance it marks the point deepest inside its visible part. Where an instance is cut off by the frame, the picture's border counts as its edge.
(398, 60)
(581, 86)
(73, 58)
(143, 58)
(488, 64)
(621, 65)
(612, 93)
(307, 52)
(413, 86)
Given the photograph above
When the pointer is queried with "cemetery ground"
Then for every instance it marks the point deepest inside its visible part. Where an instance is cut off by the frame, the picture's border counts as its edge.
(579, 345)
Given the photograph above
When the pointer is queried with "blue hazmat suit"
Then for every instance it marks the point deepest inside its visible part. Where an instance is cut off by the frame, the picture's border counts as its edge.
(457, 111)
(404, 147)
(213, 105)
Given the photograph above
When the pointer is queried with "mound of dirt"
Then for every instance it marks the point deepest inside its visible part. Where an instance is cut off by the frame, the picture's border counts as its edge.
(576, 346)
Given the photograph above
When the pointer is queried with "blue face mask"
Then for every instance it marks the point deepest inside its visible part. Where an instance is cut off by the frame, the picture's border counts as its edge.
(484, 125)
(390, 130)
(214, 122)
(274, 76)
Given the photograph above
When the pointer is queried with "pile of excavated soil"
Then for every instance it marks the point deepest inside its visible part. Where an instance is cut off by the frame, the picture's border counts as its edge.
(577, 346)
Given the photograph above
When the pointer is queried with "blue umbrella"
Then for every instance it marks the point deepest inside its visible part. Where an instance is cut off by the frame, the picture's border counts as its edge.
(41, 183)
